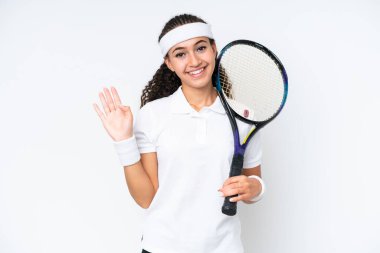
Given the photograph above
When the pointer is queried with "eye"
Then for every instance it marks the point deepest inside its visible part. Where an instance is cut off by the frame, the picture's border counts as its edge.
(179, 55)
(201, 48)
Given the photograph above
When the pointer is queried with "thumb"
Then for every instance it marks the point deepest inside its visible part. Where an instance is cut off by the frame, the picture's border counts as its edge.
(124, 107)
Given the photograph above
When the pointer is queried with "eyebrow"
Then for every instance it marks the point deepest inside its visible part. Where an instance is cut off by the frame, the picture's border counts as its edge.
(178, 48)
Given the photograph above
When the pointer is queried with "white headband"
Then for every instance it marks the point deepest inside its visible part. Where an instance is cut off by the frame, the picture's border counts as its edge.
(182, 33)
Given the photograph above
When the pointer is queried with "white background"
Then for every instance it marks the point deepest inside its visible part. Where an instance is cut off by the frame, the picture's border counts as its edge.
(61, 186)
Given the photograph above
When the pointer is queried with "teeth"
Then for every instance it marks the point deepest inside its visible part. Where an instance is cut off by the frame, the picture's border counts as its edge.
(197, 71)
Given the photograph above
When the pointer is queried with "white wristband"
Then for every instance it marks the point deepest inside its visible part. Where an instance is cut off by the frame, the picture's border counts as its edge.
(260, 196)
(127, 151)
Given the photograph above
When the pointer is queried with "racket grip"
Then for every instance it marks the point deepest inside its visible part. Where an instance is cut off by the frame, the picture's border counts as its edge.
(229, 208)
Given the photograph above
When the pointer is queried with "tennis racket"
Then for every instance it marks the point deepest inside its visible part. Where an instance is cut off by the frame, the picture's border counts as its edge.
(252, 85)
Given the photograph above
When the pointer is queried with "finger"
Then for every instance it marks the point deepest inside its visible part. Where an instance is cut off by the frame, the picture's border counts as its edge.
(109, 99)
(239, 198)
(232, 180)
(116, 97)
(99, 112)
(232, 191)
(104, 104)
(125, 108)
(236, 185)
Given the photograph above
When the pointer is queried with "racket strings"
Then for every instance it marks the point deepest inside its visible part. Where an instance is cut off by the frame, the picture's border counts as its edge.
(252, 82)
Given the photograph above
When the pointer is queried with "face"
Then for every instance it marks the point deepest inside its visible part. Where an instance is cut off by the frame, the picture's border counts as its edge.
(193, 61)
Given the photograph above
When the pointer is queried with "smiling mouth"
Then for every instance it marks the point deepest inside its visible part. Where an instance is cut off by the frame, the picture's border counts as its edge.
(197, 72)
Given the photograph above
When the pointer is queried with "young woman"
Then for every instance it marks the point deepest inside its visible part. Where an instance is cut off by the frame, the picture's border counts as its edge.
(177, 155)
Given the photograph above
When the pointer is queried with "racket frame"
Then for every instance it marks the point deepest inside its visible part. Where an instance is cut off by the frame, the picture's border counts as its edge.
(230, 208)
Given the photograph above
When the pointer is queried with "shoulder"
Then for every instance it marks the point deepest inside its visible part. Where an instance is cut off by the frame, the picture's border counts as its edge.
(158, 106)
(154, 112)
(152, 116)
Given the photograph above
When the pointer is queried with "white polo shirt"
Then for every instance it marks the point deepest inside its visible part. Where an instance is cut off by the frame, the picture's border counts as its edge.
(194, 153)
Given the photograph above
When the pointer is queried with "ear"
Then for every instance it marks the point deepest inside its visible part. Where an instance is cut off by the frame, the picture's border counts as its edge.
(168, 64)
(214, 49)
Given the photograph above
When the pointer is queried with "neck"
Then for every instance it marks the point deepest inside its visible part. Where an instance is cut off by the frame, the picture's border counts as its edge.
(199, 97)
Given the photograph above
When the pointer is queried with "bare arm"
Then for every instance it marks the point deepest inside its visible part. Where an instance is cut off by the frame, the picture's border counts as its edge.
(252, 171)
(142, 179)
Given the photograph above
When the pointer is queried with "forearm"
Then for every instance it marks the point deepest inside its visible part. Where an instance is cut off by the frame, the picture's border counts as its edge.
(139, 185)
(135, 164)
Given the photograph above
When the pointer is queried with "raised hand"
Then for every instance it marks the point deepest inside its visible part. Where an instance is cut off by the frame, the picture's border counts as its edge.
(117, 119)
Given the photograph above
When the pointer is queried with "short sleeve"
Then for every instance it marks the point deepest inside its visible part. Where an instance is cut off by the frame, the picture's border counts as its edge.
(253, 152)
(143, 130)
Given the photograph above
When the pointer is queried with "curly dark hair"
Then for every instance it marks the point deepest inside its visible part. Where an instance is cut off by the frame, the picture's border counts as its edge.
(164, 81)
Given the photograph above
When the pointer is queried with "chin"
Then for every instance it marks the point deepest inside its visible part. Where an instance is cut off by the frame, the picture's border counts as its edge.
(200, 84)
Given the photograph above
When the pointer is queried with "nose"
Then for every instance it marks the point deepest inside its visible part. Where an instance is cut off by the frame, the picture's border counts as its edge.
(194, 60)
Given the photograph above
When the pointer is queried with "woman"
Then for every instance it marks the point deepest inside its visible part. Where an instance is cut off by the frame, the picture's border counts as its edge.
(177, 156)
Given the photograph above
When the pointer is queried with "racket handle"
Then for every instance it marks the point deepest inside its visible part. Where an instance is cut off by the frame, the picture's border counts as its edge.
(229, 208)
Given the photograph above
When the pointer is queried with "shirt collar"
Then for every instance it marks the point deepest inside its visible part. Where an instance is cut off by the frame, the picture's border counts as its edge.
(179, 104)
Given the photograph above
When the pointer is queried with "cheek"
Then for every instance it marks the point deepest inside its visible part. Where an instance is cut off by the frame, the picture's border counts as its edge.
(212, 65)
(179, 67)
(212, 59)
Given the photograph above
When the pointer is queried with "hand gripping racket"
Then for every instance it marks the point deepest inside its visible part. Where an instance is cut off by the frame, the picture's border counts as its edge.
(252, 85)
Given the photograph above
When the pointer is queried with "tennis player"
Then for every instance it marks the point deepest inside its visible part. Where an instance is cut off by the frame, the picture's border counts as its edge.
(177, 155)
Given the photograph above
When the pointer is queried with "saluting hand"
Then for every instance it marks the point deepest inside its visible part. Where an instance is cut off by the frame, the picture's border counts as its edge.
(117, 119)
(246, 187)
